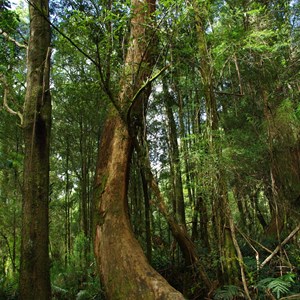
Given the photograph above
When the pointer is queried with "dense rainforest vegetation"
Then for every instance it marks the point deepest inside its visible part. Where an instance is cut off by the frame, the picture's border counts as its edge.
(150, 149)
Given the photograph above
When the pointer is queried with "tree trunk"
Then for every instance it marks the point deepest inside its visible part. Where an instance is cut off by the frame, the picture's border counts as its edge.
(67, 207)
(123, 267)
(276, 223)
(175, 164)
(34, 270)
(147, 217)
(124, 270)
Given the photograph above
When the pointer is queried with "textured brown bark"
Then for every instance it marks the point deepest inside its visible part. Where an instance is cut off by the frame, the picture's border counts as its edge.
(123, 267)
(34, 269)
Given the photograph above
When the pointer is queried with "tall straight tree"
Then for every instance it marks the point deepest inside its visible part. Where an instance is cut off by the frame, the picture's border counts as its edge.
(123, 267)
(34, 272)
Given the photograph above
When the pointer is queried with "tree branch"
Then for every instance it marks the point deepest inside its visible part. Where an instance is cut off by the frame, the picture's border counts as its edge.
(12, 40)
(142, 88)
(85, 54)
(5, 102)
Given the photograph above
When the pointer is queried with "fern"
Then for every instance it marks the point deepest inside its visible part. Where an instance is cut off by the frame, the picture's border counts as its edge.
(228, 292)
(278, 286)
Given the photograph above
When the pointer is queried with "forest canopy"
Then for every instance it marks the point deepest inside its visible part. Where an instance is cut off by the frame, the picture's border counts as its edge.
(149, 149)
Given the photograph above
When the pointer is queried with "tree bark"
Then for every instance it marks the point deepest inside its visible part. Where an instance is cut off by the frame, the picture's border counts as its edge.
(123, 267)
(34, 269)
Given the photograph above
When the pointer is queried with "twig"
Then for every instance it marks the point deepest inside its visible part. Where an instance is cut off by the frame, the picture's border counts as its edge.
(46, 73)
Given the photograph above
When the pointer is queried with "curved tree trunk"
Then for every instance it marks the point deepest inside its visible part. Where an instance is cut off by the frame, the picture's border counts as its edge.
(34, 269)
(123, 267)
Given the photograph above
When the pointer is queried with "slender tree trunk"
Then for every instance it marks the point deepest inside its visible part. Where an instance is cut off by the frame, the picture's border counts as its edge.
(34, 271)
(179, 232)
(175, 161)
(67, 208)
(123, 267)
(255, 206)
(204, 220)
(276, 223)
(147, 217)
(83, 180)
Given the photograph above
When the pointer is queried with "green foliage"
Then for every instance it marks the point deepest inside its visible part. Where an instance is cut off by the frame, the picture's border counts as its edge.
(229, 292)
(8, 18)
(75, 281)
(278, 286)
(253, 47)
(9, 287)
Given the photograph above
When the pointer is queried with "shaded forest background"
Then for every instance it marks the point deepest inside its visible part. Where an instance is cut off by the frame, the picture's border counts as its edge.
(221, 128)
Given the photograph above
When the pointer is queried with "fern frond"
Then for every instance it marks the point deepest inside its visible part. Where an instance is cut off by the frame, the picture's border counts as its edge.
(228, 292)
(279, 286)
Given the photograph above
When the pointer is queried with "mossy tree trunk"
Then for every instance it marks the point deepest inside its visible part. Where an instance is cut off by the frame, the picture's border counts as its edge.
(34, 270)
(124, 269)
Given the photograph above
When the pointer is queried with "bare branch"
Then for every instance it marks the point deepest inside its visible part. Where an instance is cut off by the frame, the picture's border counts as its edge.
(12, 40)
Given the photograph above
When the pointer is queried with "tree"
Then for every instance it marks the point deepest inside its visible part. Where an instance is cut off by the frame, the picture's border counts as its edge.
(124, 269)
(212, 152)
(35, 264)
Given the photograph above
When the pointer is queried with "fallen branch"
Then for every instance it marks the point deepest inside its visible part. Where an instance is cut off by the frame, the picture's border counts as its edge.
(290, 236)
